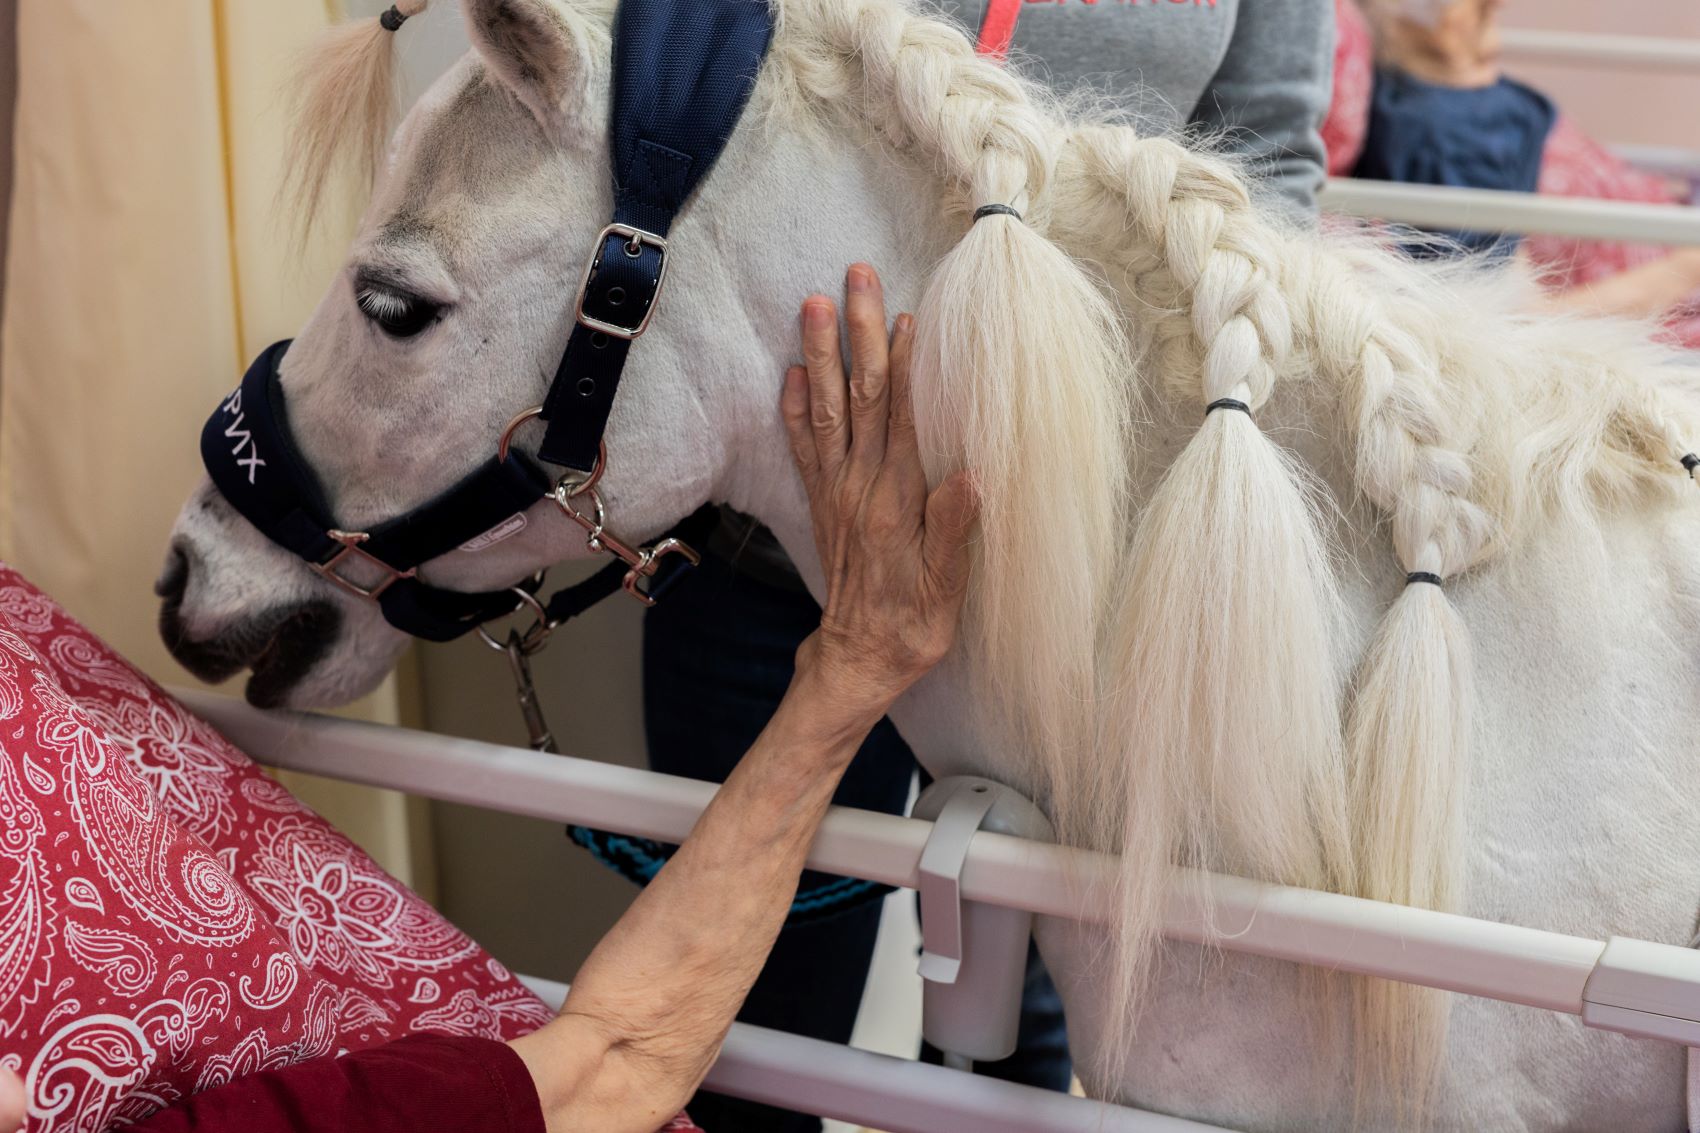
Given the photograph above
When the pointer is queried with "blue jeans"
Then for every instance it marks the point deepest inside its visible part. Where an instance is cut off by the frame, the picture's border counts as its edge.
(717, 659)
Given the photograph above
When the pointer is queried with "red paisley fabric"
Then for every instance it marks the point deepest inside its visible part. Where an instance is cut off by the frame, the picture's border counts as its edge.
(171, 918)
(1354, 79)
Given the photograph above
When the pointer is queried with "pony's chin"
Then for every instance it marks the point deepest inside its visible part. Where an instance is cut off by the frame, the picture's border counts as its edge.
(281, 677)
(286, 651)
(297, 668)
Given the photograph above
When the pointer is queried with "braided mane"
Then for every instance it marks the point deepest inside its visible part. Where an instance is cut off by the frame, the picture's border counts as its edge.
(1174, 679)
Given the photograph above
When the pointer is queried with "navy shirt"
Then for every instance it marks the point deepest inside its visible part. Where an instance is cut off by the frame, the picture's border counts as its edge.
(1473, 138)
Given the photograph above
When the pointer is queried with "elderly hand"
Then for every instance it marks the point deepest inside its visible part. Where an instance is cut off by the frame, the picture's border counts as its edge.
(895, 556)
(11, 1101)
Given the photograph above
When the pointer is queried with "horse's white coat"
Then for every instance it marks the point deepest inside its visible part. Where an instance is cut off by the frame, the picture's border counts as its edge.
(1582, 800)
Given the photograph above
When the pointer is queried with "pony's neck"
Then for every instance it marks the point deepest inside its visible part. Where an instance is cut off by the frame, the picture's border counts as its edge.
(790, 214)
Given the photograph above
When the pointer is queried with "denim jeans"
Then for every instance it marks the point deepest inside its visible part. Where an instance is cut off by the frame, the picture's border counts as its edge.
(717, 659)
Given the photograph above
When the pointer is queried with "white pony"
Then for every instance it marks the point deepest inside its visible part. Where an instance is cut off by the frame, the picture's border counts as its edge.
(1237, 638)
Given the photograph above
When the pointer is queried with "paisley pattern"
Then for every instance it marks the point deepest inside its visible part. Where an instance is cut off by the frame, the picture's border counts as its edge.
(339, 916)
(171, 918)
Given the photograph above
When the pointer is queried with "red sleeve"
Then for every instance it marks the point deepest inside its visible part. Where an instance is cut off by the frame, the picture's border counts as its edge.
(419, 1082)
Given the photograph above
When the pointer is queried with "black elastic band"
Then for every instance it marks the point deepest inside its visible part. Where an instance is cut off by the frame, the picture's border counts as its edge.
(1424, 576)
(994, 210)
(1227, 403)
(392, 19)
(1690, 462)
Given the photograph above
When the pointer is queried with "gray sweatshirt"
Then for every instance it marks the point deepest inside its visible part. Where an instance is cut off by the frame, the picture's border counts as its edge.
(1257, 73)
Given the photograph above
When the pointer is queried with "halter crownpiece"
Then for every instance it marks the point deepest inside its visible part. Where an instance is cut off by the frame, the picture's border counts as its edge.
(683, 71)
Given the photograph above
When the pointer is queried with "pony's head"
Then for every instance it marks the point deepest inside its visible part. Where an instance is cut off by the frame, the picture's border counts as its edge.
(445, 322)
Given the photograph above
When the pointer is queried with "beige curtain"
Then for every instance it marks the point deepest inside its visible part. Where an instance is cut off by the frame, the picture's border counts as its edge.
(145, 268)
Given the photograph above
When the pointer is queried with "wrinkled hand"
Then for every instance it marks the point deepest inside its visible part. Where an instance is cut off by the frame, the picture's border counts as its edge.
(11, 1102)
(895, 556)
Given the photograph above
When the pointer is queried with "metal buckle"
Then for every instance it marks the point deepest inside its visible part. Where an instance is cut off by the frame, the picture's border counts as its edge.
(636, 238)
(652, 557)
(536, 636)
(351, 541)
(642, 561)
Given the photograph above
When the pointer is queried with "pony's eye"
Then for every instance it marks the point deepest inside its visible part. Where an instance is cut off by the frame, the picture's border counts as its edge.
(396, 313)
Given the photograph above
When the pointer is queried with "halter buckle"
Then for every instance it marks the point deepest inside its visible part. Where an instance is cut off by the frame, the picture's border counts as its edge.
(351, 541)
(635, 240)
(650, 563)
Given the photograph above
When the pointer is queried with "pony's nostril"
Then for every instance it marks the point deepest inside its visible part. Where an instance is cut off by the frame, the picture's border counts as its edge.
(174, 579)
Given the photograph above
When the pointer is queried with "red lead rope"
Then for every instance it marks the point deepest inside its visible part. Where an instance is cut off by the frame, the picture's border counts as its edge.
(998, 28)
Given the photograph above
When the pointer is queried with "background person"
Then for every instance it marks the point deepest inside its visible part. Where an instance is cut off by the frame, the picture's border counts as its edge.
(1443, 112)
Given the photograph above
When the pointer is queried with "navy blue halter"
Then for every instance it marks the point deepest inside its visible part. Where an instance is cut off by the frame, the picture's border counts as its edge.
(683, 72)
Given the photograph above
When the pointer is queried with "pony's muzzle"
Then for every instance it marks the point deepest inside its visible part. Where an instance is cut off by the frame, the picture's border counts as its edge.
(281, 644)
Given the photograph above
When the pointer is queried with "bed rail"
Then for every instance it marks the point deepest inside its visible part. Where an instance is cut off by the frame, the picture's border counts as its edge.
(896, 1094)
(1593, 49)
(1511, 963)
(1488, 210)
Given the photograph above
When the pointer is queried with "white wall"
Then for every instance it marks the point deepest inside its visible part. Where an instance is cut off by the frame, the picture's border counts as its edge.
(1644, 107)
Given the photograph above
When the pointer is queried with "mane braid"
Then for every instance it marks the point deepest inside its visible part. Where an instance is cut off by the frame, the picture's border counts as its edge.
(1198, 658)
(344, 105)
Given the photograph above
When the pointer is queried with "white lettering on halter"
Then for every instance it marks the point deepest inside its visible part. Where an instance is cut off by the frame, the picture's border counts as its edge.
(244, 438)
(506, 529)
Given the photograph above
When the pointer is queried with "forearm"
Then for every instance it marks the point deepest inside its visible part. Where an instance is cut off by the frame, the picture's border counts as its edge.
(1643, 292)
(650, 1007)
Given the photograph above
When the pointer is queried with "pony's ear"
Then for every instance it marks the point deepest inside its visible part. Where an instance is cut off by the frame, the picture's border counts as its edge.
(537, 48)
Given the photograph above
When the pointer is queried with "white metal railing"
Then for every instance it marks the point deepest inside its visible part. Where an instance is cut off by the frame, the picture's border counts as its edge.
(1662, 161)
(1489, 210)
(1594, 49)
(897, 1095)
(1506, 962)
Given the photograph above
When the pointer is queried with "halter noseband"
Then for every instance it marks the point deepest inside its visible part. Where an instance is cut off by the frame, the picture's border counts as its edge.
(683, 71)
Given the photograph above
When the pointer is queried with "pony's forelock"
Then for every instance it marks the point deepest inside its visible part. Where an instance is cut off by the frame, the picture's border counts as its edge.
(343, 103)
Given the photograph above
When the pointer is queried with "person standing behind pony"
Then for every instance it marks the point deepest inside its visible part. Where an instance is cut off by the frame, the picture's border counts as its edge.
(1253, 74)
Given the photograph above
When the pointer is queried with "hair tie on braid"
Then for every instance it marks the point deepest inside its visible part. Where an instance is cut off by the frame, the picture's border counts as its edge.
(392, 19)
(1690, 462)
(1427, 576)
(994, 210)
(1227, 403)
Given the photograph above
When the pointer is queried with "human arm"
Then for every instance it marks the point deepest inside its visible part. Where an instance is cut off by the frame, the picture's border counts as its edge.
(649, 1009)
(1643, 292)
(1270, 94)
(11, 1101)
